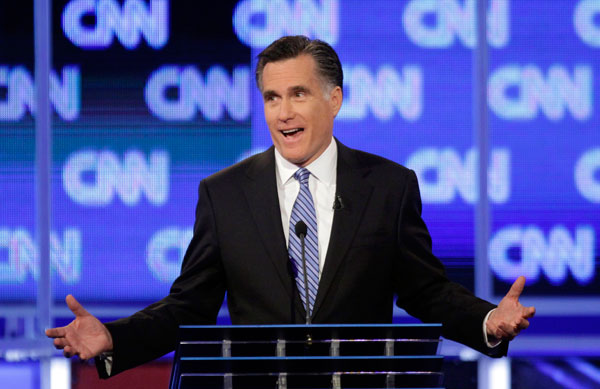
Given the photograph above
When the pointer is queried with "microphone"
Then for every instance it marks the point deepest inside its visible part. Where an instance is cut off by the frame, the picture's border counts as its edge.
(301, 230)
(338, 204)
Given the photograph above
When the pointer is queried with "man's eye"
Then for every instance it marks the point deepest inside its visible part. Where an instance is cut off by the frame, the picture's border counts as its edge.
(299, 94)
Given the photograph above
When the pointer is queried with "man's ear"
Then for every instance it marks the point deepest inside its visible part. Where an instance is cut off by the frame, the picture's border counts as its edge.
(335, 100)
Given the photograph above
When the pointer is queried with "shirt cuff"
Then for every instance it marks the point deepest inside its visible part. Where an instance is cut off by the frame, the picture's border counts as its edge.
(107, 358)
(490, 341)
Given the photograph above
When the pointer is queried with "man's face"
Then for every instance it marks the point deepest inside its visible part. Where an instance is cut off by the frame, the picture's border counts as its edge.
(299, 115)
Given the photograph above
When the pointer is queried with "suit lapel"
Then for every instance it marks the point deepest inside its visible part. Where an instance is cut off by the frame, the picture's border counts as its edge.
(260, 189)
(354, 190)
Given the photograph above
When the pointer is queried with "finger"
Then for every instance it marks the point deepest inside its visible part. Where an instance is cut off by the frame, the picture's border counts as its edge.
(75, 307)
(499, 333)
(517, 288)
(523, 325)
(67, 352)
(511, 330)
(57, 332)
(507, 334)
(507, 328)
(60, 343)
(529, 312)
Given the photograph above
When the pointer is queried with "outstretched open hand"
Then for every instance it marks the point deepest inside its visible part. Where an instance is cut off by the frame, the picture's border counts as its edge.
(511, 316)
(85, 336)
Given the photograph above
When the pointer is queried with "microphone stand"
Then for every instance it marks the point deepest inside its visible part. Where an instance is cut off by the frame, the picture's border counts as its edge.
(301, 230)
(302, 236)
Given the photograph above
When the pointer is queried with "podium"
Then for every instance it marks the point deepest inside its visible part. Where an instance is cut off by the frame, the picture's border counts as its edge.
(308, 356)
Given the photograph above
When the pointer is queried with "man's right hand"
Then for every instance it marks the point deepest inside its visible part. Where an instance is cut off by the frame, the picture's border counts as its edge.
(85, 336)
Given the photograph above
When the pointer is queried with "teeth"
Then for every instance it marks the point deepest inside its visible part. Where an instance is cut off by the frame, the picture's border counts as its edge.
(288, 132)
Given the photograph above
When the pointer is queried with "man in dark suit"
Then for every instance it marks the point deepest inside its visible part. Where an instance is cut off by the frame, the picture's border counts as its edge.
(368, 239)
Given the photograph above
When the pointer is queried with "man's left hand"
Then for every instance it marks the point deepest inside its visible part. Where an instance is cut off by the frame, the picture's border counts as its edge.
(506, 321)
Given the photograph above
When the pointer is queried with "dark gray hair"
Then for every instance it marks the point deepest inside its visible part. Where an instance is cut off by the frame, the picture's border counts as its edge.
(328, 64)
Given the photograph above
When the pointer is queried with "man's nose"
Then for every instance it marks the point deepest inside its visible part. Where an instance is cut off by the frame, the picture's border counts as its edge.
(286, 110)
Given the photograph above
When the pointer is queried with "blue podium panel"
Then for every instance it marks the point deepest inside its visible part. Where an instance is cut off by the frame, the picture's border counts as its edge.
(370, 380)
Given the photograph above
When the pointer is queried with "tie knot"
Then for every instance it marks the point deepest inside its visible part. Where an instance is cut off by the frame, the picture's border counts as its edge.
(302, 175)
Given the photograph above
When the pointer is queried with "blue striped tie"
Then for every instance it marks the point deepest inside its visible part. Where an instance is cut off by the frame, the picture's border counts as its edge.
(304, 209)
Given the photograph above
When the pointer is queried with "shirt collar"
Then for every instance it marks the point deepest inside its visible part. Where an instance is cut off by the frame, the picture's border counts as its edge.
(323, 168)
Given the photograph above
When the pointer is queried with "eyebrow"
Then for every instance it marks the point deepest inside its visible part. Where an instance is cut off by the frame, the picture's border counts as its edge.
(293, 89)
(299, 88)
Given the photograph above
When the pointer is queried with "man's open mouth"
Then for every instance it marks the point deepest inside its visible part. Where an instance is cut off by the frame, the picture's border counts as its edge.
(292, 131)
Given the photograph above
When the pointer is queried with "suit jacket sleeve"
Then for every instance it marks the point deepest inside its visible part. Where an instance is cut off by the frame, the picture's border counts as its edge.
(195, 298)
(423, 289)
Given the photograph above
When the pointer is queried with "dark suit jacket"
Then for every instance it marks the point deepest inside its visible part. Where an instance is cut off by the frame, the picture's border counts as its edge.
(379, 247)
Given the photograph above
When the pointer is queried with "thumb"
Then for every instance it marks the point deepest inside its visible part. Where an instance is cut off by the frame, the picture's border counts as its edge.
(77, 309)
(517, 288)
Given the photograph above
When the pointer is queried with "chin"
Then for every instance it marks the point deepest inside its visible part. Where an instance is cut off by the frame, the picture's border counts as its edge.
(296, 160)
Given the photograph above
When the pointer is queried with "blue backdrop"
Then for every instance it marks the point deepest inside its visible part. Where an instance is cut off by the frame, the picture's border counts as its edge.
(151, 96)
